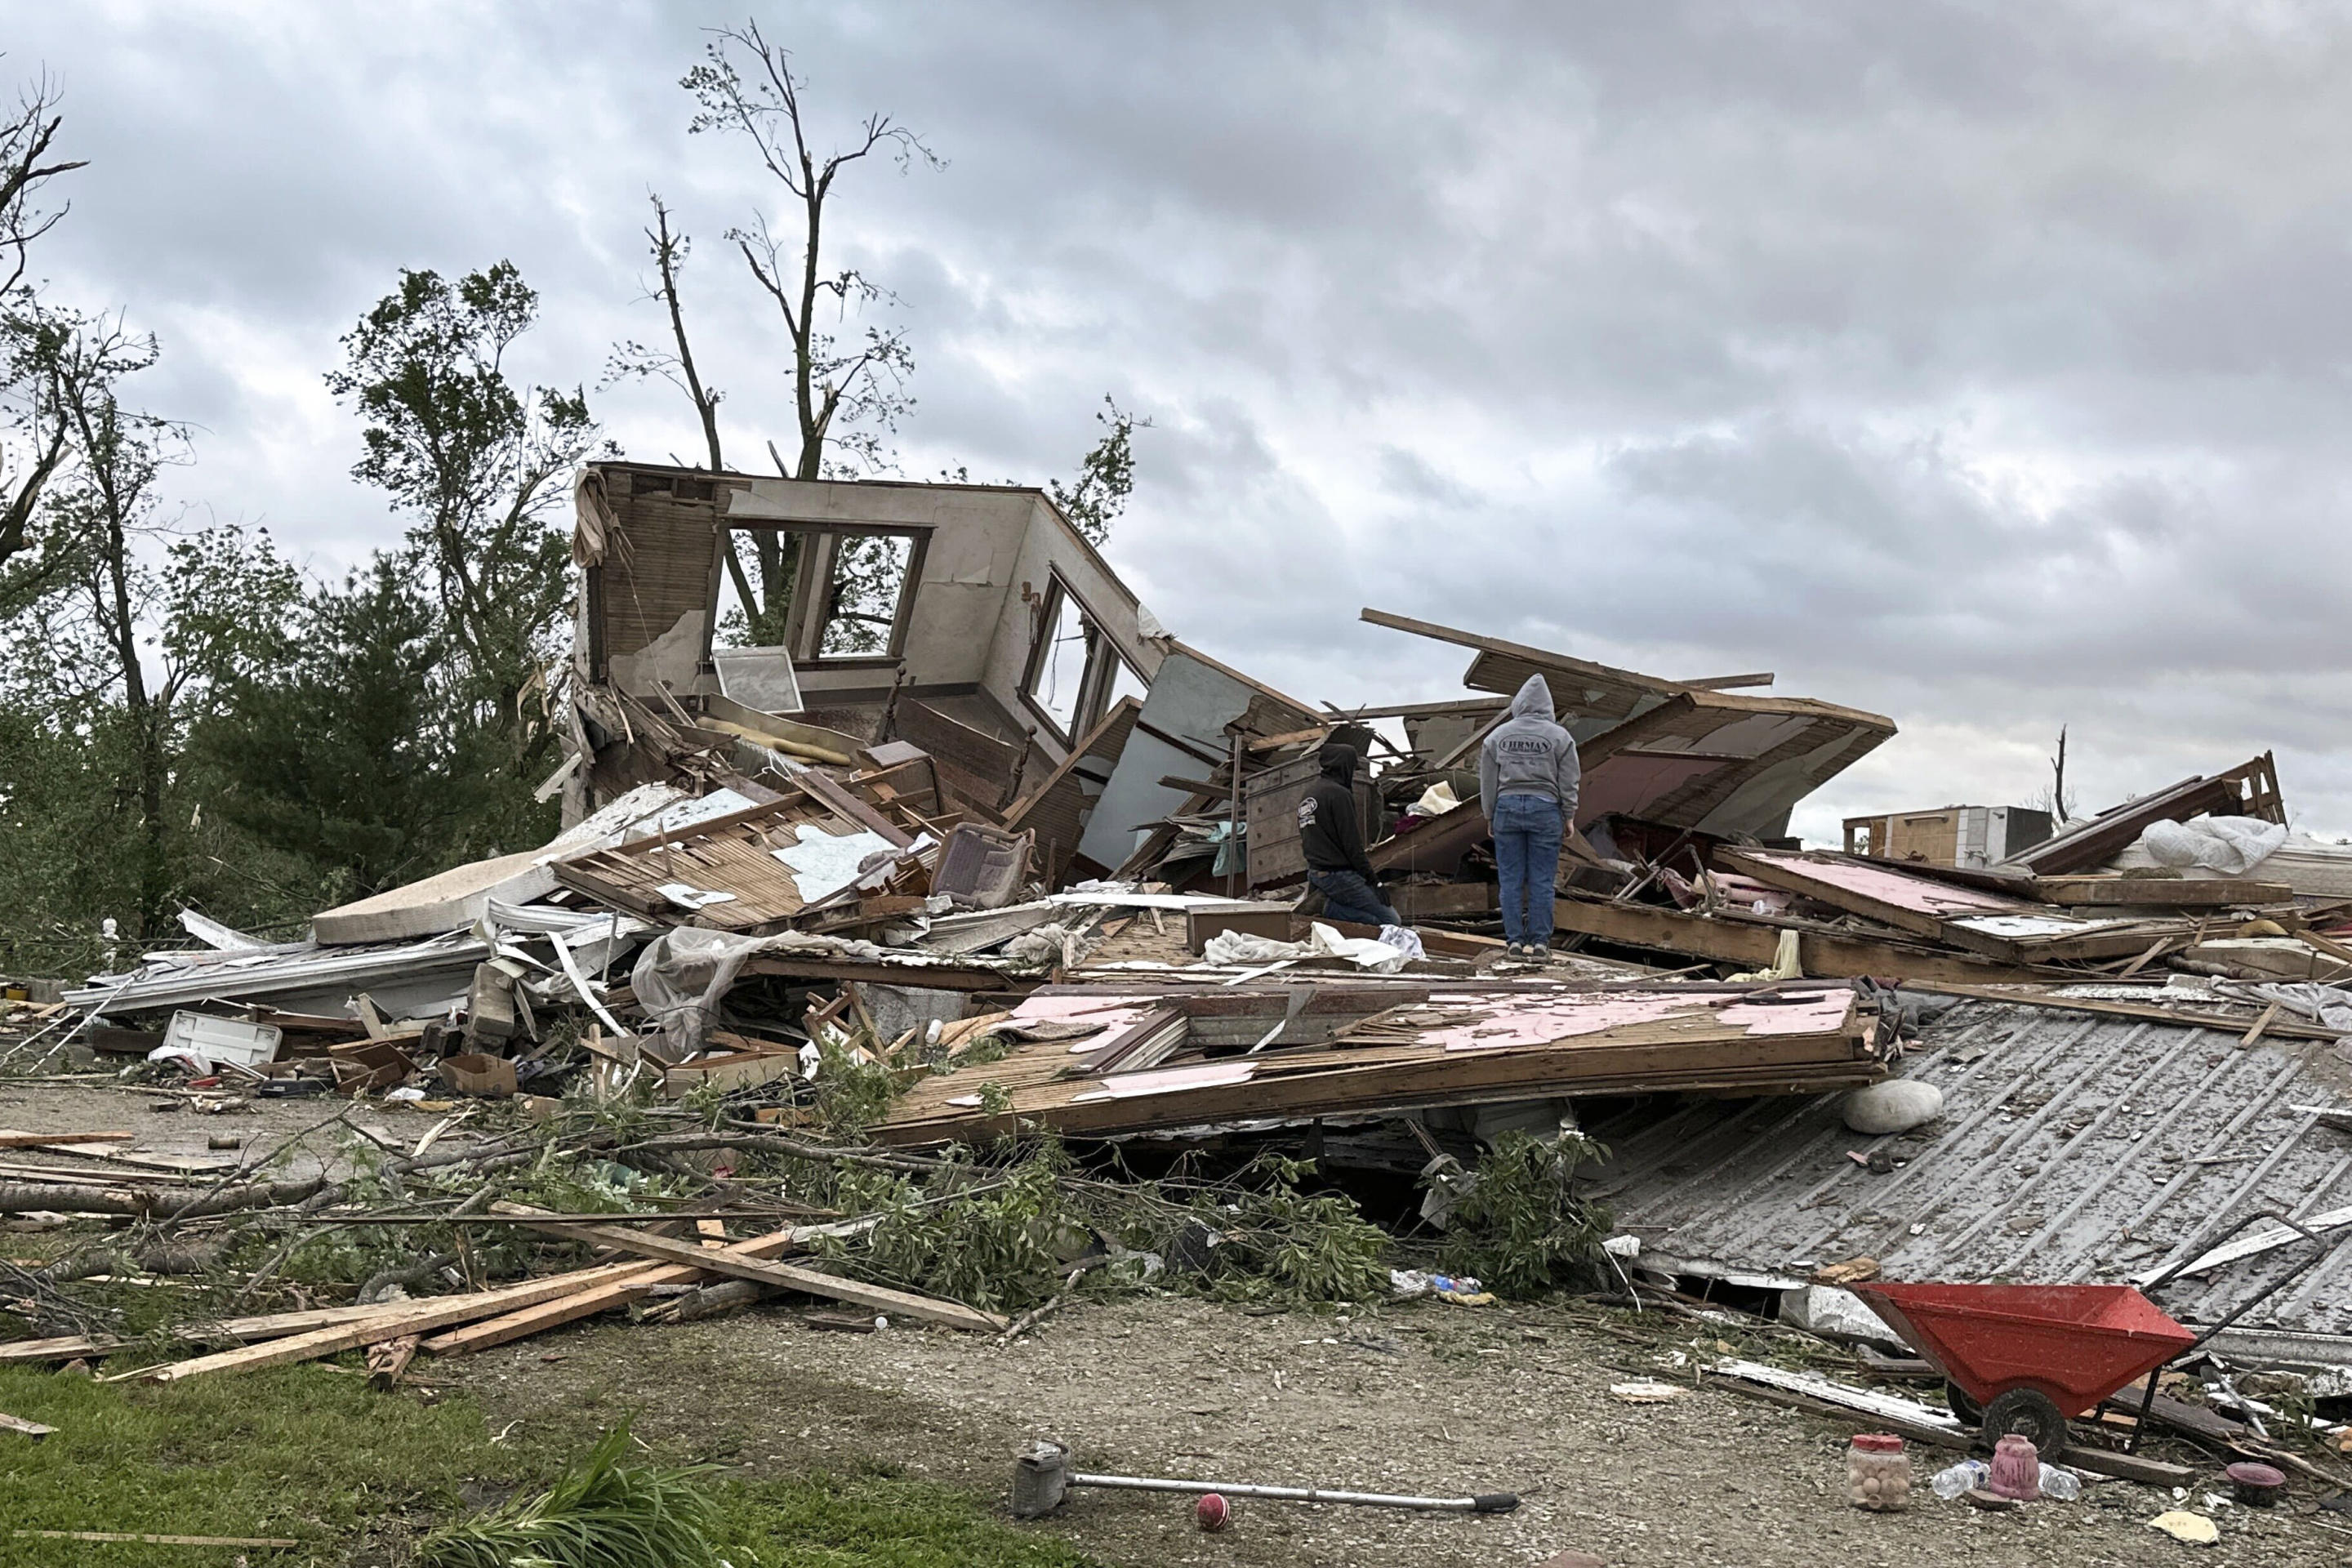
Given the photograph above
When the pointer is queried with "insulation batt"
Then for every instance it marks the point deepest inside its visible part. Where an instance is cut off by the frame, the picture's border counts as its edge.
(1896, 1106)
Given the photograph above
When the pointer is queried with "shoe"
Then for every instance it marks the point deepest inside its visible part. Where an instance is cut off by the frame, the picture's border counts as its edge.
(1515, 953)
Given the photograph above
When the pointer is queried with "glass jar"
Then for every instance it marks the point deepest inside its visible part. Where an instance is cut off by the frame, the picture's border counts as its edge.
(1878, 1472)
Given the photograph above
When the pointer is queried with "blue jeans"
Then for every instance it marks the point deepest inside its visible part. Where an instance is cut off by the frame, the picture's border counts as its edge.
(1347, 897)
(1527, 830)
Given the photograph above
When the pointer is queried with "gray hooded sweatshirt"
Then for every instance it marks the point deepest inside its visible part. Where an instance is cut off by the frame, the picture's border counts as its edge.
(1529, 753)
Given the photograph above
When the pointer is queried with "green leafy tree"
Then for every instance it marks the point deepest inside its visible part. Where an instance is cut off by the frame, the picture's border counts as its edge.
(478, 464)
(1105, 477)
(350, 757)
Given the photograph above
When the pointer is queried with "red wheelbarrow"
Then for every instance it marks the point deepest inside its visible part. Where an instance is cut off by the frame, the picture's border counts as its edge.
(2024, 1357)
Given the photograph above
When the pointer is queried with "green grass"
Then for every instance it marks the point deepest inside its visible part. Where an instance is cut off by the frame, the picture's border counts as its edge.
(359, 1475)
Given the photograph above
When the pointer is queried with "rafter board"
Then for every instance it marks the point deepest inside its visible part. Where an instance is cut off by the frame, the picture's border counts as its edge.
(1056, 809)
(2252, 786)
(734, 1264)
(1598, 689)
(2165, 892)
(1878, 893)
(1753, 944)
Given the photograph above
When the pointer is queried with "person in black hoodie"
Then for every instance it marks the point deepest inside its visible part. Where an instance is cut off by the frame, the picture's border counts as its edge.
(1332, 838)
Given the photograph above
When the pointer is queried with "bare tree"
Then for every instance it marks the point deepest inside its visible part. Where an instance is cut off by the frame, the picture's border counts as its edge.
(2061, 808)
(27, 139)
(34, 434)
(633, 361)
(848, 397)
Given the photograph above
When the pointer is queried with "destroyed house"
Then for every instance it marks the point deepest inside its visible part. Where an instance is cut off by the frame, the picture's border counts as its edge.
(970, 627)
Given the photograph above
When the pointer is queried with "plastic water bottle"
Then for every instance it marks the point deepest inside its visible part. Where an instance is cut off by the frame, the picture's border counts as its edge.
(1950, 1483)
(2064, 1485)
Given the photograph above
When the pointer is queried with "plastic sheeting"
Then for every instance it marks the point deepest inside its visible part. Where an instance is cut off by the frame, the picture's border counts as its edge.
(680, 978)
(2224, 846)
(1390, 951)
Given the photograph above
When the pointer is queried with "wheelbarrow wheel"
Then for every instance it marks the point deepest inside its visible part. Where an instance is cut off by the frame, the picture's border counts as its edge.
(1957, 1398)
(2029, 1414)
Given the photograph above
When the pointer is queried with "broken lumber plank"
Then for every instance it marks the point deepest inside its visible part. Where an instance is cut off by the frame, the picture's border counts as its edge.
(388, 1360)
(529, 1321)
(25, 1428)
(2168, 892)
(785, 1276)
(12, 1139)
(2261, 1026)
(2128, 1467)
(418, 1317)
(67, 1347)
(1752, 944)
(1918, 1432)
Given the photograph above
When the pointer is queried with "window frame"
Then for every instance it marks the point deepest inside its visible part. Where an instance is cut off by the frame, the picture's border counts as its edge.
(806, 628)
(1095, 680)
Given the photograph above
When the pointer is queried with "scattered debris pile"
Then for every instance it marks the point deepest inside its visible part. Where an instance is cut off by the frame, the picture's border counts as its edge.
(951, 957)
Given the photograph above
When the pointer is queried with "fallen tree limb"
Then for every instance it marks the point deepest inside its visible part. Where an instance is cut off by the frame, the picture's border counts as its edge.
(778, 1143)
(144, 1202)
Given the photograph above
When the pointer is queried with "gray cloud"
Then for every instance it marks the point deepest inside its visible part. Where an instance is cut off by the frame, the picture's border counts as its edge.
(1982, 368)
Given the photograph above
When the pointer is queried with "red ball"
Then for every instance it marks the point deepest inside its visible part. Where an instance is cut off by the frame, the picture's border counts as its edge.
(1211, 1512)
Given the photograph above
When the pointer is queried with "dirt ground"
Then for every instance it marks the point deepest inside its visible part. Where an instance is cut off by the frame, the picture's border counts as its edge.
(1423, 1398)
(178, 1137)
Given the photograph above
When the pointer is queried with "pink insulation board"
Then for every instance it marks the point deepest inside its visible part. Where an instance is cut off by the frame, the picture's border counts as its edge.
(1914, 893)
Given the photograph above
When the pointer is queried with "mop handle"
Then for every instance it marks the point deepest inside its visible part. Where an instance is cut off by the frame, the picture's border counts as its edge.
(1485, 1502)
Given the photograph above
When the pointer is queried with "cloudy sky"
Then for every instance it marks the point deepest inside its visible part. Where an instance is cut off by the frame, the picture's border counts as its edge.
(1981, 365)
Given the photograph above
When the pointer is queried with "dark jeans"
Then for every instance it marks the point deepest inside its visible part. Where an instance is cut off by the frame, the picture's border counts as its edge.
(1527, 830)
(1347, 897)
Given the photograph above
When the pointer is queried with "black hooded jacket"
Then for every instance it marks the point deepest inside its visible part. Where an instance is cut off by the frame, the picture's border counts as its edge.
(1330, 834)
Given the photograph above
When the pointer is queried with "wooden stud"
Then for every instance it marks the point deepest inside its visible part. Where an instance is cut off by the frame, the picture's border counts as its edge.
(784, 1275)
(2270, 1016)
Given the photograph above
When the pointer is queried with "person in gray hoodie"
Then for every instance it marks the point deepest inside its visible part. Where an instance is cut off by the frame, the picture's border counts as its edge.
(1528, 780)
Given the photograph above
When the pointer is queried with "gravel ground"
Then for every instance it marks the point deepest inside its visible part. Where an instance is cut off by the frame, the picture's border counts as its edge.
(1423, 1398)
(261, 1126)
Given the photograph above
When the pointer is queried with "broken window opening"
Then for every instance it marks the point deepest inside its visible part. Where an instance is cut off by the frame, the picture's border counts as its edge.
(852, 590)
(869, 578)
(1073, 675)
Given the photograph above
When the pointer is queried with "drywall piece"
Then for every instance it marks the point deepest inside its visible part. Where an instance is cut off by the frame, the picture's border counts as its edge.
(823, 863)
(456, 898)
(670, 661)
(1180, 732)
(449, 902)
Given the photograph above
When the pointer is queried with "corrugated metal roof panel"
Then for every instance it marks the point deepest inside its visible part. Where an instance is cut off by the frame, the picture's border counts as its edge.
(2071, 1149)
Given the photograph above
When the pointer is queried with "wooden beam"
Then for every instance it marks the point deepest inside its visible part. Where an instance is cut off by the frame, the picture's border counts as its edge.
(2168, 892)
(1752, 944)
(784, 1275)
(14, 1140)
(1459, 705)
(25, 1428)
(400, 1317)
(538, 1319)
(1292, 738)
(1730, 682)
